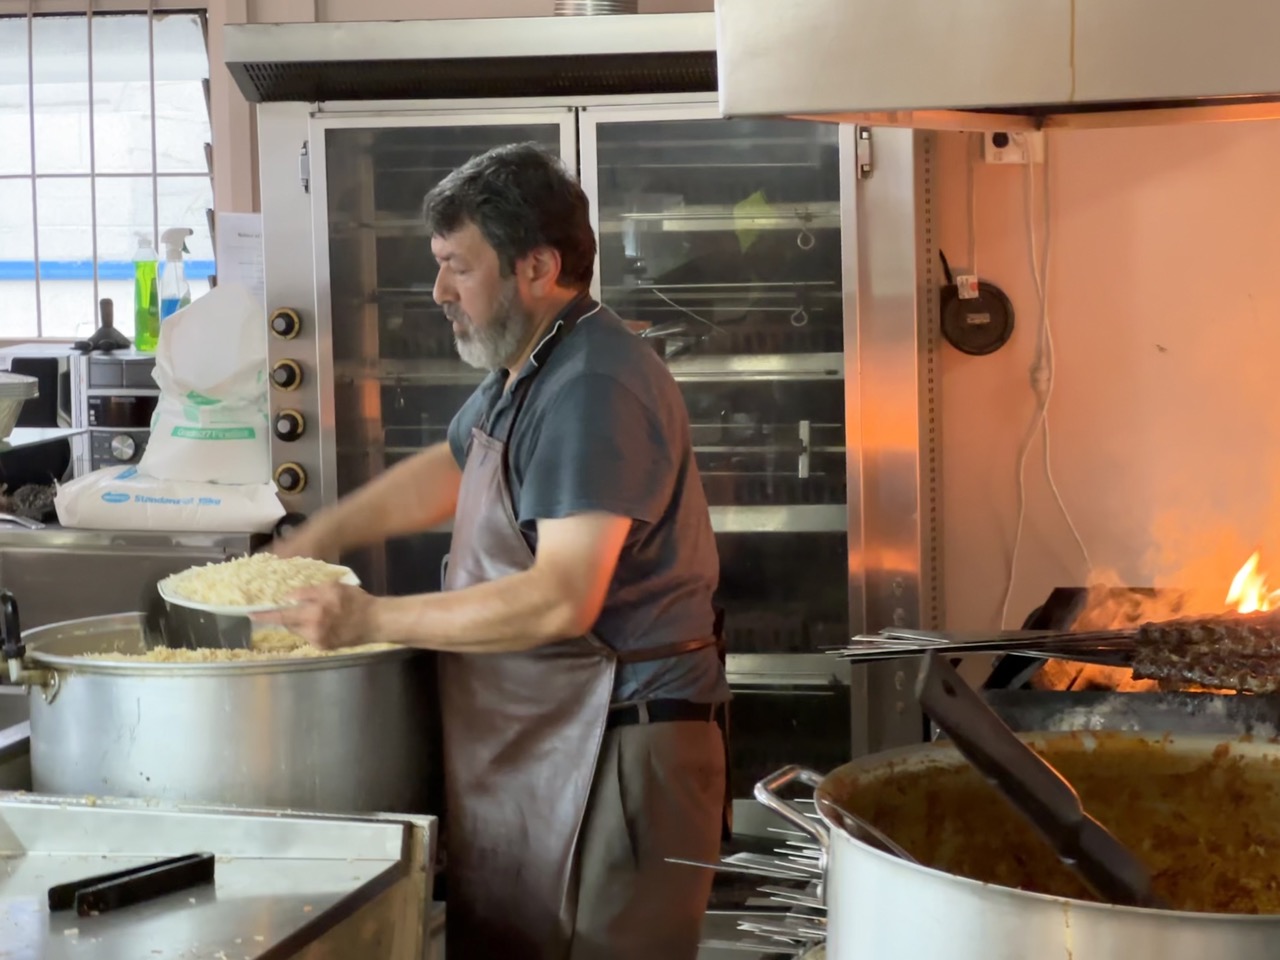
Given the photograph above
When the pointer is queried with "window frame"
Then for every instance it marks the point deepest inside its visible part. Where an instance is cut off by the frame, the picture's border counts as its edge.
(30, 10)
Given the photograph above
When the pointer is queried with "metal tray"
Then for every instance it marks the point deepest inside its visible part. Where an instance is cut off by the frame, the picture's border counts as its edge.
(283, 882)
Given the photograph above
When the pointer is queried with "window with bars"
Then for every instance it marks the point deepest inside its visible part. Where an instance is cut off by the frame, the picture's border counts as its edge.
(104, 135)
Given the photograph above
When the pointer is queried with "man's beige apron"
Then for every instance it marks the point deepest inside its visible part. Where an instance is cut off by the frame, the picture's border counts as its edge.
(522, 735)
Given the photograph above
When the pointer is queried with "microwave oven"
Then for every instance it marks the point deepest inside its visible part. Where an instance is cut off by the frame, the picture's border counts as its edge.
(108, 396)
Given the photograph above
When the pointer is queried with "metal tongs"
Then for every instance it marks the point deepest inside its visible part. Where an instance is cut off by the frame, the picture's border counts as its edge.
(1036, 789)
(123, 888)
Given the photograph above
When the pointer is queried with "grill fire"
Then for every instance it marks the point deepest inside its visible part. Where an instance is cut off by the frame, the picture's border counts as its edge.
(1235, 648)
(1250, 592)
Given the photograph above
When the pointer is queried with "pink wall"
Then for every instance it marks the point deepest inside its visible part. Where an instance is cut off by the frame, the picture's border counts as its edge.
(1165, 420)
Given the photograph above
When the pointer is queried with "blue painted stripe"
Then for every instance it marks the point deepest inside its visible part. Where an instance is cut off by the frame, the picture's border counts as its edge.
(83, 269)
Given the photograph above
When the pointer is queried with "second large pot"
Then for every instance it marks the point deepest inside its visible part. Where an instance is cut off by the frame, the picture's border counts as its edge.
(879, 905)
(349, 733)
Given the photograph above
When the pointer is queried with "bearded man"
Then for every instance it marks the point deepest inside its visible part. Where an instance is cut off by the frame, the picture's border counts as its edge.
(581, 678)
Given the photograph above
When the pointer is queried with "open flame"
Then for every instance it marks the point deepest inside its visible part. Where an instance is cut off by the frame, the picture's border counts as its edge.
(1250, 592)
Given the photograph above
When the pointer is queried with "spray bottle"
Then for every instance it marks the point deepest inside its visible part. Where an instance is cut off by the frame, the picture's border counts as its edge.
(175, 292)
(146, 302)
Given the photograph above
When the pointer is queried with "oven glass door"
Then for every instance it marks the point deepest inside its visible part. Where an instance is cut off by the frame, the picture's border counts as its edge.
(397, 379)
(720, 242)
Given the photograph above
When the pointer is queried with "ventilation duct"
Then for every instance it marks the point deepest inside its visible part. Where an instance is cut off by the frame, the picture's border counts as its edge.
(1000, 64)
(595, 8)
(580, 53)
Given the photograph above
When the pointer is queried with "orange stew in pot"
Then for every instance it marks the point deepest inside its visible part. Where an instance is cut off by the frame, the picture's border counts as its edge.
(1207, 825)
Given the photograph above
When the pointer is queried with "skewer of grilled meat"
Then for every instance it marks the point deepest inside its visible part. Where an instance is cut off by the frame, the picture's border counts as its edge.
(1231, 651)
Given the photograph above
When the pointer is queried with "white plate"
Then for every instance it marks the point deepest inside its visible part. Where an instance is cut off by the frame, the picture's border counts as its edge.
(348, 577)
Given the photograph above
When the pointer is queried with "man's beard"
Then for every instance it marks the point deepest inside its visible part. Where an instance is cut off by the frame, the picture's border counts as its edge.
(496, 343)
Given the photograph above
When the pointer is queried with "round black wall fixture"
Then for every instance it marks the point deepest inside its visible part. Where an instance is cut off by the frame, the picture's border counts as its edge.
(979, 325)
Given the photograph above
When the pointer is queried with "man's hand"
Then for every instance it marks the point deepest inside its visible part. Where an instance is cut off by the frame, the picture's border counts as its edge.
(329, 617)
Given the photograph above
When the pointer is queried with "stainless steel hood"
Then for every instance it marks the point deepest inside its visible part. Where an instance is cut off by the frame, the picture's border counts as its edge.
(458, 59)
(1000, 64)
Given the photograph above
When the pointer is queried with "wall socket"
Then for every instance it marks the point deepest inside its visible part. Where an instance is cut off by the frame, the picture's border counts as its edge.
(1013, 147)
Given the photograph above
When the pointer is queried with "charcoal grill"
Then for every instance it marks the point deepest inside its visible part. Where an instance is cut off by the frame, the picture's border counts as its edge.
(1008, 690)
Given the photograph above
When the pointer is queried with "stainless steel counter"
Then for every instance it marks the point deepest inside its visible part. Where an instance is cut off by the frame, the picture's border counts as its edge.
(286, 885)
(67, 538)
(13, 706)
(15, 756)
(60, 574)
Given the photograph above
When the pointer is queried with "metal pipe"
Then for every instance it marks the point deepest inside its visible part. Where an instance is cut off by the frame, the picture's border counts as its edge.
(93, 159)
(35, 192)
(155, 152)
(595, 8)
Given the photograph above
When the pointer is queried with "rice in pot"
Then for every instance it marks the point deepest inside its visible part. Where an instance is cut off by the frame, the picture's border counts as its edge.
(269, 644)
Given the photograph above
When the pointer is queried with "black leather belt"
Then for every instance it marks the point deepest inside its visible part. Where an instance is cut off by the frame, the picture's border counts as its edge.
(661, 711)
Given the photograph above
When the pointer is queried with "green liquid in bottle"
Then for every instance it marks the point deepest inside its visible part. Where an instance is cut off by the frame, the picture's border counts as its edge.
(146, 306)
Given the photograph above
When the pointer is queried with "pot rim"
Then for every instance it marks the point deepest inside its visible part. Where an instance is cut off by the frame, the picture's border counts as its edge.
(64, 664)
(945, 750)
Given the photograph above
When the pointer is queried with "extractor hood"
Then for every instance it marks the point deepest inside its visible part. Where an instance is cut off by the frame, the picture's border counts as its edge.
(1000, 64)
(572, 56)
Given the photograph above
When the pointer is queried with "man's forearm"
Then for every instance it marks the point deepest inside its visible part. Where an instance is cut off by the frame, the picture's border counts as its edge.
(414, 495)
(519, 612)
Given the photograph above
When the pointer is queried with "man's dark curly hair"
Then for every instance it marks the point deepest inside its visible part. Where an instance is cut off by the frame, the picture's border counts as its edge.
(521, 198)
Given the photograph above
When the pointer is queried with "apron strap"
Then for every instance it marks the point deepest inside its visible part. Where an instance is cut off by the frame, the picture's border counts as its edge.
(665, 651)
(721, 716)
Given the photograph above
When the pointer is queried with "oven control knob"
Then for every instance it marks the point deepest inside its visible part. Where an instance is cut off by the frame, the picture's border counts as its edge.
(289, 425)
(291, 478)
(285, 323)
(286, 374)
(123, 447)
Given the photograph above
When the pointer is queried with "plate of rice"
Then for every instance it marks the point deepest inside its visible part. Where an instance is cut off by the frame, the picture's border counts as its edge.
(246, 585)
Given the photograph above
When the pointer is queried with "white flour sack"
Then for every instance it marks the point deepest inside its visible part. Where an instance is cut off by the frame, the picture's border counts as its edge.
(211, 421)
(121, 498)
(215, 350)
(225, 443)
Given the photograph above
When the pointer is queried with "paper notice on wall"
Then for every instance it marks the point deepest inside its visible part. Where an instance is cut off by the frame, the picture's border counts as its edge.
(239, 240)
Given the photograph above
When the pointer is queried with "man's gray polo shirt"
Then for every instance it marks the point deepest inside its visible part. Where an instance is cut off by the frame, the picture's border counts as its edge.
(603, 427)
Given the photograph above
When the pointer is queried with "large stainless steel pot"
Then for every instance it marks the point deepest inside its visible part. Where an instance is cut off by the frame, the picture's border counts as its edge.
(349, 733)
(882, 906)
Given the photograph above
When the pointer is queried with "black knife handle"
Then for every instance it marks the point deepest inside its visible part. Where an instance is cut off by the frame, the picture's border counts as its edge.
(110, 891)
(145, 886)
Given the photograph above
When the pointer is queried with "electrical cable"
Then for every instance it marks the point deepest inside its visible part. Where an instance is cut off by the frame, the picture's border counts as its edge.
(1042, 374)
(974, 145)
